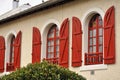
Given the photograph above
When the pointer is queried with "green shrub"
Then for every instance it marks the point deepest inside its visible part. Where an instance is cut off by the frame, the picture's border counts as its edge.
(43, 71)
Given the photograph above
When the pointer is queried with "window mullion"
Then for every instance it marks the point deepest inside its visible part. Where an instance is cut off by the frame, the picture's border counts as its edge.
(55, 42)
(97, 37)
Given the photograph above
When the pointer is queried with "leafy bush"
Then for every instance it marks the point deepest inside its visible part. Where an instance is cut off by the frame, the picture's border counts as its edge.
(43, 71)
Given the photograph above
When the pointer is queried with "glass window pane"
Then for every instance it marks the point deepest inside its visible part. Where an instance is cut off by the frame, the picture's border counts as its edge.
(91, 41)
(12, 57)
(90, 33)
(100, 40)
(100, 21)
(57, 33)
(101, 48)
(48, 49)
(94, 32)
(50, 55)
(52, 34)
(94, 41)
(94, 24)
(57, 54)
(57, 41)
(90, 50)
(52, 30)
(100, 31)
(52, 42)
(52, 49)
(57, 48)
(94, 48)
(48, 43)
(49, 35)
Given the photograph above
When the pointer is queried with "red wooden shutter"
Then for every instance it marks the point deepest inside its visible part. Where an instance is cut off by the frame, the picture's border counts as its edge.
(36, 45)
(64, 44)
(17, 50)
(76, 42)
(2, 53)
(109, 36)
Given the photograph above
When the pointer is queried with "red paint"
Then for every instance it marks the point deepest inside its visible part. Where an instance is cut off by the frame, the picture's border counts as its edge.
(10, 67)
(109, 36)
(64, 43)
(17, 50)
(36, 45)
(76, 42)
(93, 58)
(2, 53)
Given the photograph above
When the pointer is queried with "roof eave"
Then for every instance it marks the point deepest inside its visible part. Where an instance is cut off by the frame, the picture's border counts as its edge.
(37, 8)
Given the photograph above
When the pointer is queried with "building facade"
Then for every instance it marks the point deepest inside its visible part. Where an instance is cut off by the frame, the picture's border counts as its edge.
(82, 35)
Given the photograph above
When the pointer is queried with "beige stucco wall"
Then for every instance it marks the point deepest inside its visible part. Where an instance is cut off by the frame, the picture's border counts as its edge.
(76, 8)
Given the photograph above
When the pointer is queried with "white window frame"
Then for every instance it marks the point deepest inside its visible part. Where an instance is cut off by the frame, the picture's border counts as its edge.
(7, 45)
(44, 33)
(85, 20)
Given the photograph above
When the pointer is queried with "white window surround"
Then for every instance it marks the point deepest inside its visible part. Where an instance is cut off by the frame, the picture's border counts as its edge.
(85, 20)
(5, 73)
(7, 46)
(44, 33)
(93, 67)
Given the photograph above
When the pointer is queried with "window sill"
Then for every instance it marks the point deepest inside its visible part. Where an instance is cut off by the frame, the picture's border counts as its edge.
(93, 67)
(4, 73)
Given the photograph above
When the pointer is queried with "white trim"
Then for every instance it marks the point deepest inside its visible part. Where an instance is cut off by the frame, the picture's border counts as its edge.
(48, 23)
(93, 67)
(7, 39)
(91, 12)
(85, 20)
(4, 73)
(44, 32)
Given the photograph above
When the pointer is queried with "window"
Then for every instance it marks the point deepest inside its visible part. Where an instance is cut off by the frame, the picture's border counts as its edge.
(10, 64)
(12, 49)
(53, 45)
(95, 41)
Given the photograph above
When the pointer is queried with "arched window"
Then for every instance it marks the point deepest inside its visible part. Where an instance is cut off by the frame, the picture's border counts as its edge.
(95, 41)
(11, 50)
(53, 45)
(10, 64)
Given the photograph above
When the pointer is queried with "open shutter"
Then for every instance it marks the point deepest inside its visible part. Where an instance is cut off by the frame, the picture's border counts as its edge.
(17, 50)
(36, 45)
(76, 42)
(2, 53)
(109, 36)
(64, 44)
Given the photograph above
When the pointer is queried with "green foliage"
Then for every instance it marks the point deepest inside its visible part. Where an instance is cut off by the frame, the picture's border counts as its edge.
(43, 71)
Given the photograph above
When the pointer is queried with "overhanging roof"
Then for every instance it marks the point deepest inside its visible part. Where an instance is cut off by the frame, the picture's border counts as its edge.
(37, 8)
